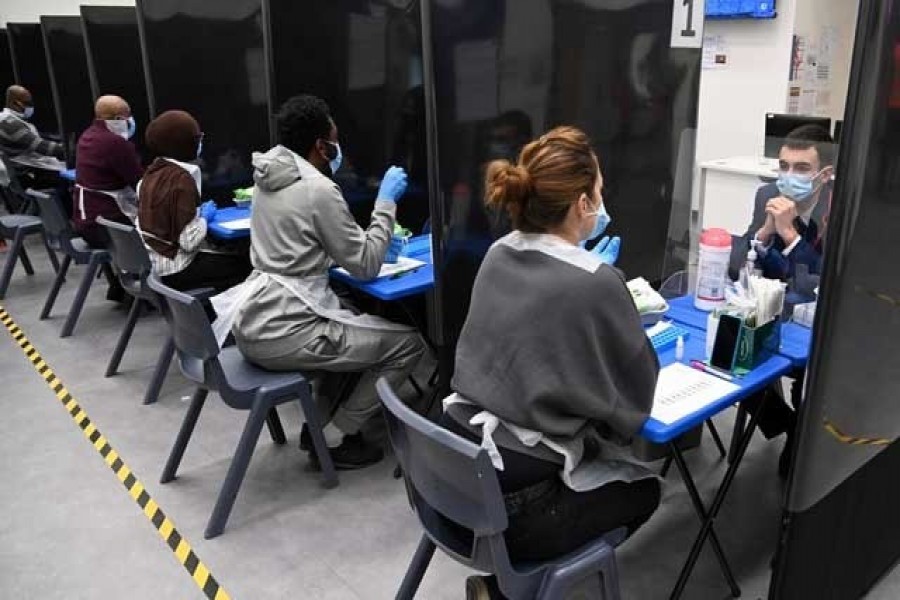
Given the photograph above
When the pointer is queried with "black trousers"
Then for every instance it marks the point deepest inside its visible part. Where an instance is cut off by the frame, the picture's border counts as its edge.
(207, 270)
(547, 519)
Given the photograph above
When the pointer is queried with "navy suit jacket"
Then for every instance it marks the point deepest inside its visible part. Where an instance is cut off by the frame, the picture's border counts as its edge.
(807, 252)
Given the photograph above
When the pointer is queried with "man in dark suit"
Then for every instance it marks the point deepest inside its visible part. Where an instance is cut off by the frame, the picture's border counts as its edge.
(790, 220)
(790, 216)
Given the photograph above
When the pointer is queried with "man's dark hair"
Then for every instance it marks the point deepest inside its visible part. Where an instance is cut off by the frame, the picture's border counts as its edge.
(812, 136)
(301, 121)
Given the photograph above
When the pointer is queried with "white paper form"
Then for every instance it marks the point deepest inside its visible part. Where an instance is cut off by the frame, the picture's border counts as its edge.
(402, 265)
(681, 391)
(236, 225)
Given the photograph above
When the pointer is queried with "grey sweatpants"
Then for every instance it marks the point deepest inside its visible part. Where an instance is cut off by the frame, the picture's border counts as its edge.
(375, 353)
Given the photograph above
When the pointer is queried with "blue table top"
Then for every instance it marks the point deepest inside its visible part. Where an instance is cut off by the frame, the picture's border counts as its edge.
(408, 284)
(695, 349)
(223, 215)
(68, 174)
(795, 339)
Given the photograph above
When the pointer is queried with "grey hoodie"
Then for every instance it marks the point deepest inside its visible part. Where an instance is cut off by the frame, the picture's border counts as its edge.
(301, 227)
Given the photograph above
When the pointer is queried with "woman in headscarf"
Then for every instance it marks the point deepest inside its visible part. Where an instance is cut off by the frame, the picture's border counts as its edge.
(171, 219)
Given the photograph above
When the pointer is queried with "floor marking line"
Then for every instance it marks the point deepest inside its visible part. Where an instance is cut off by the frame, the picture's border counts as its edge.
(182, 550)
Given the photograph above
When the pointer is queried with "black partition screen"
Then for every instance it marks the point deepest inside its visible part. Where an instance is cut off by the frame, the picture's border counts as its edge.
(208, 58)
(67, 62)
(841, 528)
(7, 74)
(30, 64)
(506, 72)
(364, 59)
(114, 59)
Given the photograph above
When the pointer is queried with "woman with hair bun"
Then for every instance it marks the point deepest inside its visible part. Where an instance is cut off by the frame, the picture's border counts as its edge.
(553, 370)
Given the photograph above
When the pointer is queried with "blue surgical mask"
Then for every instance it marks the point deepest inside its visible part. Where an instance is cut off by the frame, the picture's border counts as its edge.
(335, 163)
(28, 113)
(132, 127)
(200, 148)
(603, 221)
(796, 187)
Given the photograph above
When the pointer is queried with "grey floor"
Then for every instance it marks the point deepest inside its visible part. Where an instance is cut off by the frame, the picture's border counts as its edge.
(69, 530)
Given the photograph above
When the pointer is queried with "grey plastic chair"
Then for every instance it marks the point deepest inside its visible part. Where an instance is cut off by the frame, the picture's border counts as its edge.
(17, 228)
(59, 230)
(242, 386)
(453, 488)
(133, 266)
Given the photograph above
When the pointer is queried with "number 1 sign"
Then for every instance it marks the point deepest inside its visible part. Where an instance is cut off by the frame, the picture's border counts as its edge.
(687, 23)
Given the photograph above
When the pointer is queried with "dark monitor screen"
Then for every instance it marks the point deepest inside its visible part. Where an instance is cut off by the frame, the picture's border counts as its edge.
(30, 64)
(114, 59)
(364, 60)
(7, 75)
(779, 126)
(67, 60)
(208, 58)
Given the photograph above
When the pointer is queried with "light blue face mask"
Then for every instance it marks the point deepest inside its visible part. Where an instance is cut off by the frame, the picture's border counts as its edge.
(796, 187)
(603, 221)
(28, 113)
(335, 163)
(132, 127)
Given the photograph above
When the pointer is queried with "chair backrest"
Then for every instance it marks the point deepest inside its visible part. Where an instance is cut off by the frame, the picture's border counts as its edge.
(191, 329)
(127, 249)
(13, 194)
(56, 224)
(446, 473)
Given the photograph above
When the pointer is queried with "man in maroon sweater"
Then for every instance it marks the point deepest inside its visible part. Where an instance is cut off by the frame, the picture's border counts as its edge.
(108, 170)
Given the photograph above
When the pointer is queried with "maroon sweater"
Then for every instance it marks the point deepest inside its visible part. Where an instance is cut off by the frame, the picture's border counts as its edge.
(104, 161)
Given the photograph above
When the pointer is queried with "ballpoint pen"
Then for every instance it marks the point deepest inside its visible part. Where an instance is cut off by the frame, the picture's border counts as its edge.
(701, 366)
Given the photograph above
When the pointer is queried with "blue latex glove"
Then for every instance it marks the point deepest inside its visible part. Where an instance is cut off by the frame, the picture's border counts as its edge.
(608, 249)
(393, 185)
(208, 211)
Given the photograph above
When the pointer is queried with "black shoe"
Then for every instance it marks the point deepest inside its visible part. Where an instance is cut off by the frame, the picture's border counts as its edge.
(306, 443)
(353, 453)
(479, 587)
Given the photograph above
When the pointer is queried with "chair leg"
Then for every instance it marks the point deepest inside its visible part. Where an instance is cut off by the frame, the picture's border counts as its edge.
(80, 296)
(611, 580)
(236, 471)
(416, 570)
(50, 253)
(26, 261)
(12, 256)
(125, 337)
(184, 435)
(57, 283)
(275, 428)
(314, 423)
(159, 373)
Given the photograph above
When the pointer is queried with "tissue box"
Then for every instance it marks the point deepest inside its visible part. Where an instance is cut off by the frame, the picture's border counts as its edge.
(757, 345)
(397, 248)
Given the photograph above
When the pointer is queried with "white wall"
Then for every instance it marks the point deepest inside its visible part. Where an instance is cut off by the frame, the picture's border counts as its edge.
(30, 11)
(811, 17)
(735, 99)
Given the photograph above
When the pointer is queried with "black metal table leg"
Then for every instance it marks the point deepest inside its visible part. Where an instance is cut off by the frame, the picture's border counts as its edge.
(707, 530)
(715, 436)
(739, 421)
(706, 519)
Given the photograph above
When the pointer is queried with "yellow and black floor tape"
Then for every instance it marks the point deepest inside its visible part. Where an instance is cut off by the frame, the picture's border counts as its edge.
(855, 440)
(166, 529)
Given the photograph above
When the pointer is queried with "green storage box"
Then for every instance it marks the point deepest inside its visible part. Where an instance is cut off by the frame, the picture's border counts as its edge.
(757, 345)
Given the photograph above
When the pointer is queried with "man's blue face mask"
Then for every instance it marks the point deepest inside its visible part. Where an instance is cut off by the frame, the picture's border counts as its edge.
(797, 187)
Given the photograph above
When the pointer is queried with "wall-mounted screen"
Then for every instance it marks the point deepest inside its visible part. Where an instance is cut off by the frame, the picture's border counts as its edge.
(116, 67)
(740, 9)
(208, 58)
(30, 65)
(67, 62)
